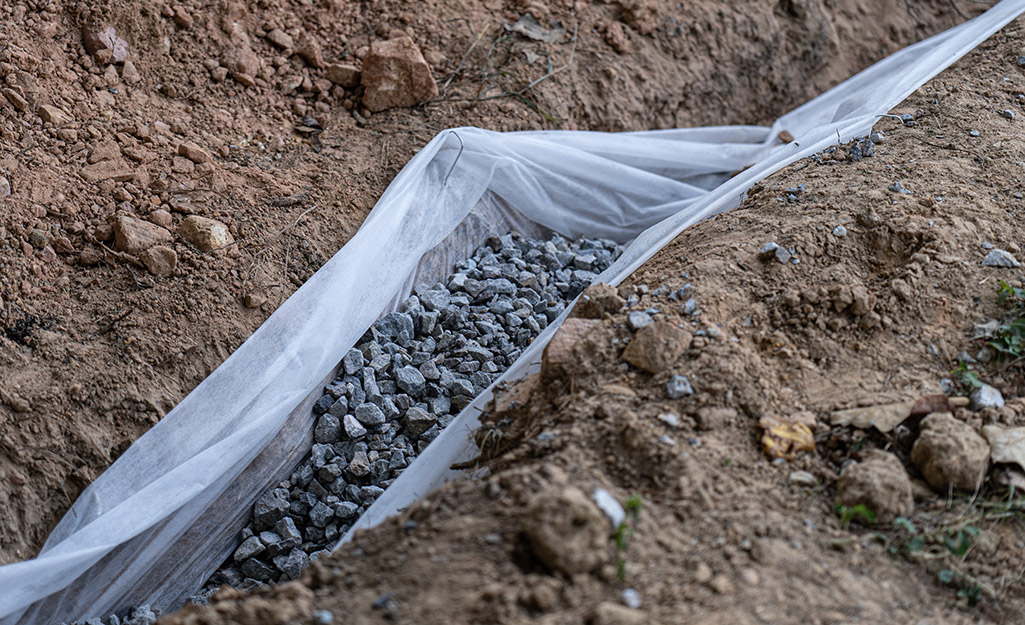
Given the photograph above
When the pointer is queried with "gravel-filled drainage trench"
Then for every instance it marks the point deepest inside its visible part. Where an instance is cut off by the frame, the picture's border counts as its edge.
(405, 381)
(408, 377)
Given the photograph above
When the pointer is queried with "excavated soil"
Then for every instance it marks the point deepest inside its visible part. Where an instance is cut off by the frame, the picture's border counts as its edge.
(722, 533)
(94, 349)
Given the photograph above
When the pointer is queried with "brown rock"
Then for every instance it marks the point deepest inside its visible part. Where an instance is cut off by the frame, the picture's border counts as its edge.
(254, 300)
(596, 300)
(395, 74)
(342, 74)
(559, 356)
(240, 59)
(130, 74)
(104, 56)
(567, 531)
(135, 235)
(883, 417)
(280, 38)
(160, 260)
(194, 153)
(950, 453)
(161, 218)
(89, 258)
(104, 151)
(16, 99)
(115, 169)
(98, 37)
(53, 114)
(608, 613)
(182, 165)
(308, 48)
(182, 18)
(657, 346)
(47, 254)
(244, 79)
(880, 483)
(206, 234)
(711, 418)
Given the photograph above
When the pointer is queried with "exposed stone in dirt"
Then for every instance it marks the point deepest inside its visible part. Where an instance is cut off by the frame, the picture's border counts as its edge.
(880, 483)
(656, 347)
(159, 260)
(343, 74)
(135, 235)
(560, 352)
(608, 613)
(308, 47)
(395, 74)
(567, 531)
(281, 39)
(53, 115)
(194, 153)
(597, 300)
(950, 453)
(100, 37)
(204, 233)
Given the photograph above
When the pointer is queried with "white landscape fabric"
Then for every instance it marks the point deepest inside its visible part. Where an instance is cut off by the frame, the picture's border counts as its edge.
(163, 516)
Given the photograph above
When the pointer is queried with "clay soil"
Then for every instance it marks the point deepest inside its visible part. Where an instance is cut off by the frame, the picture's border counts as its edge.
(723, 534)
(94, 349)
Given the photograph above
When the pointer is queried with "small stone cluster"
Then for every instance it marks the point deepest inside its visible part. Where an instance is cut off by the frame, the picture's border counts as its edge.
(405, 381)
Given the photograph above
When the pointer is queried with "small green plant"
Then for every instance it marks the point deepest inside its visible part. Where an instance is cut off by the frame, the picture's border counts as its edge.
(966, 376)
(959, 543)
(1009, 339)
(1008, 295)
(850, 513)
(912, 542)
(625, 532)
(968, 590)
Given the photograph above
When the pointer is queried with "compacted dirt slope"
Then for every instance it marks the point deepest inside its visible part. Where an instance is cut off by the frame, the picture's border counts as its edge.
(716, 530)
(94, 349)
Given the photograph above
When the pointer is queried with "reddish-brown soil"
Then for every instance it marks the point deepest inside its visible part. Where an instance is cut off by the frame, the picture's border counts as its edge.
(723, 533)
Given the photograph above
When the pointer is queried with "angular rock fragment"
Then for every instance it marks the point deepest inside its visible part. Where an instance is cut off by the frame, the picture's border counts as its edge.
(395, 74)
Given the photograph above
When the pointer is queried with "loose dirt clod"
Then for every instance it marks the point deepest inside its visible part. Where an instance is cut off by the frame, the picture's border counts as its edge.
(950, 453)
(880, 483)
(567, 531)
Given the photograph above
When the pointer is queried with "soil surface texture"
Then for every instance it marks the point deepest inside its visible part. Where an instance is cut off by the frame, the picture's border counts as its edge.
(821, 463)
(252, 115)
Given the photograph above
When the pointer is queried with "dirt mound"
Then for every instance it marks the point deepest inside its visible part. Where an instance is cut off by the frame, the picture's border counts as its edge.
(878, 297)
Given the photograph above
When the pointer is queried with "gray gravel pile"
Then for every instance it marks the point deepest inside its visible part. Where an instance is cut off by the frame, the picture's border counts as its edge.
(406, 380)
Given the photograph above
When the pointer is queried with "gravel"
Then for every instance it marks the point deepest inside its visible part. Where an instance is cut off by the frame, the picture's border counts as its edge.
(412, 372)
